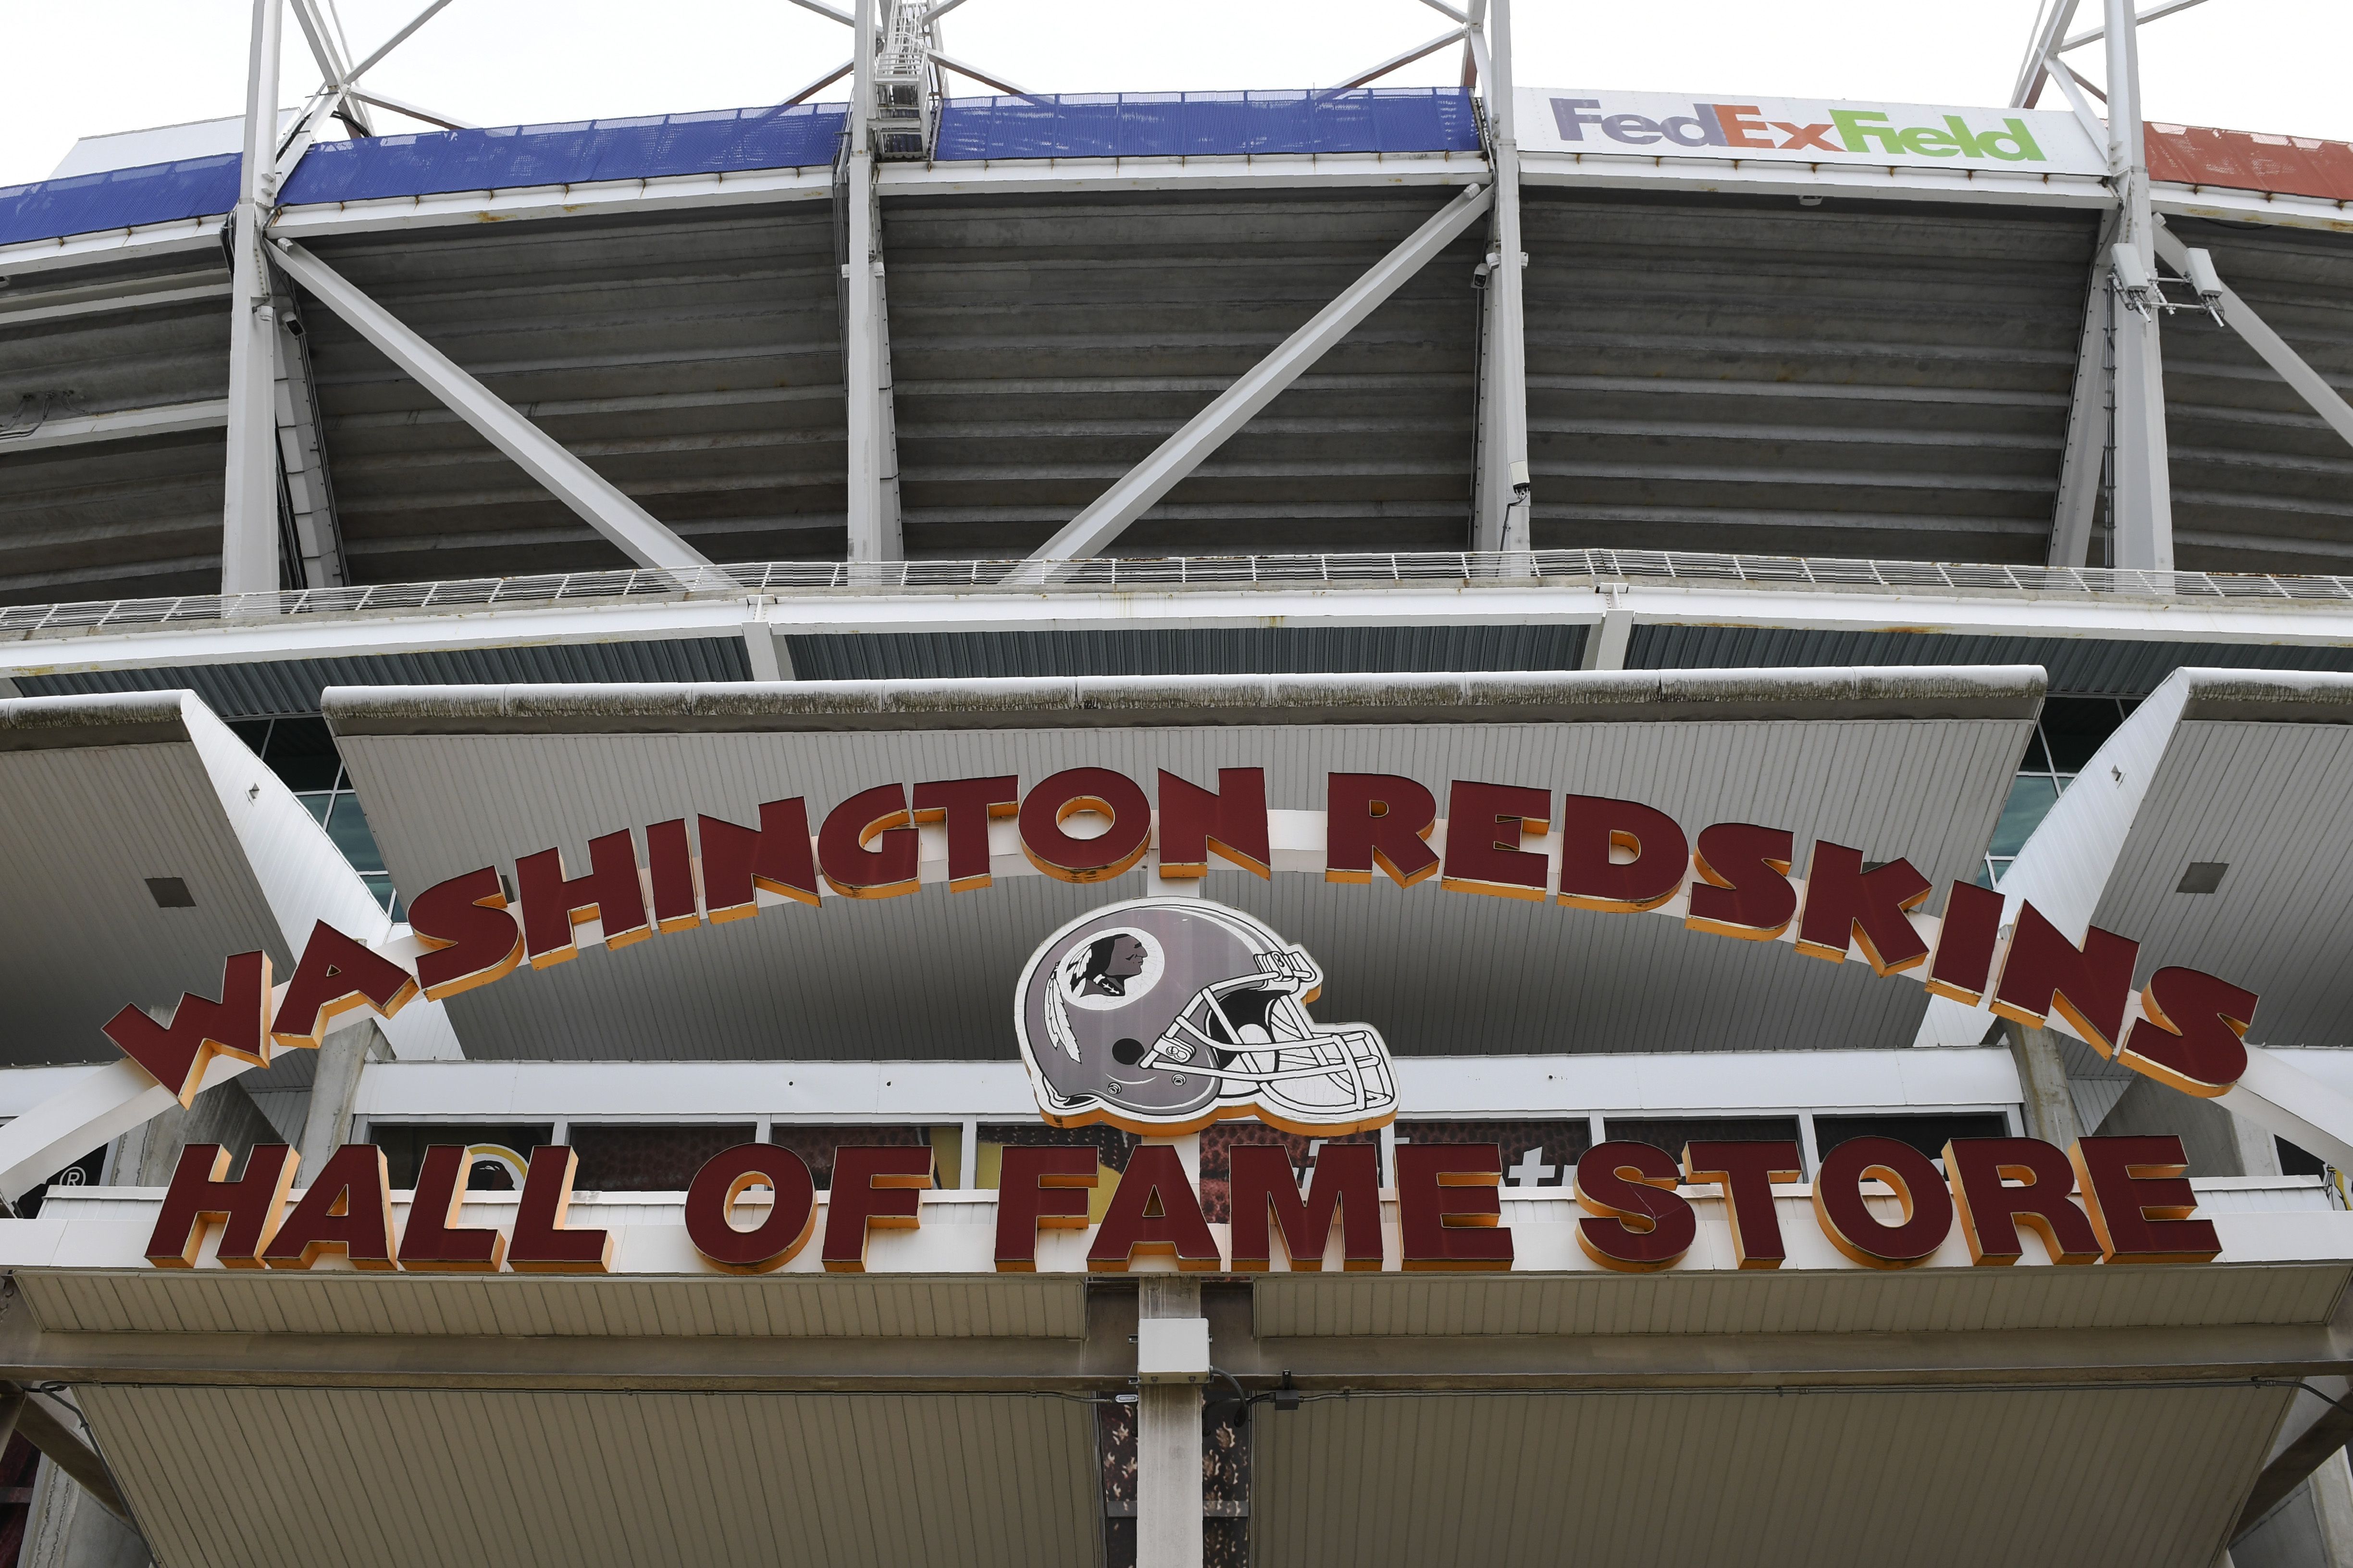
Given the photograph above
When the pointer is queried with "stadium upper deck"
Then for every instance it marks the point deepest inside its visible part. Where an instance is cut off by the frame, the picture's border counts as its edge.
(1720, 354)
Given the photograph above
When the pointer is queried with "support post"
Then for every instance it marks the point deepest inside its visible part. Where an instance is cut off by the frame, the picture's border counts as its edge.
(250, 499)
(1504, 490)
(1168, 1442)
(1108, 515)
(2143, 494)
(62, 1446)
(873, 521)
(2042, 1076)
(318, 539)
(2083, 460)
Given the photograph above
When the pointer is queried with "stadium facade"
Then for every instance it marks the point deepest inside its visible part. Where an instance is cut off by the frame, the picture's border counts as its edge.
(735, 837)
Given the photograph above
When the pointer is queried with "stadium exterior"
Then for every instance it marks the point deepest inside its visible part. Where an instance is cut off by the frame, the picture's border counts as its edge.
(492, 619)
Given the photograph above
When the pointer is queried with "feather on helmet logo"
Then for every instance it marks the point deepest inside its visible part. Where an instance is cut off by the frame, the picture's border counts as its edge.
(1161, 1015)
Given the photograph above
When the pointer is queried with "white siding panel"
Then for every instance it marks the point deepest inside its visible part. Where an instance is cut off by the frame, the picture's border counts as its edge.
(1914, 1476)
(788, 1306)
(925, 977)
(395, 1477)
(1791, 1301)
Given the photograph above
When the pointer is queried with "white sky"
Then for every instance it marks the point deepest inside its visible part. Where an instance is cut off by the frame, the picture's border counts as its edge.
(82, 66)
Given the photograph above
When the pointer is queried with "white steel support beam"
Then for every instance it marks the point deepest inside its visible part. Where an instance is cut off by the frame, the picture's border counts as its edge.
(401, 106)
(1504, 505)
(1397, 62)
(2308, 383)
(2141, 19)
(310, 496)
(395, 41)
(249, 501)
(120, 425)
(873, 512)
(1109, 515)
(2049, 28)
(1167, 1435)
(596, 500)
(2083, 461)
(2143, 486)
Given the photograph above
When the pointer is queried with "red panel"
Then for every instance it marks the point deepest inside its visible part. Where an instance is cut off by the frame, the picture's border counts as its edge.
(2248, 161)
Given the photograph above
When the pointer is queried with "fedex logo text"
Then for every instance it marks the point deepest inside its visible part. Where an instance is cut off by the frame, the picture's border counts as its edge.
(1848, 132)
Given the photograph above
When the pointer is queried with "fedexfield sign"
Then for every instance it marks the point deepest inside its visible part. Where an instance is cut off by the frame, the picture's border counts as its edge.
(1805, 131)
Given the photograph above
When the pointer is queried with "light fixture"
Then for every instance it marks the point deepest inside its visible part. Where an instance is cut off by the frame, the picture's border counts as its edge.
(171, 893)
(2203, 877)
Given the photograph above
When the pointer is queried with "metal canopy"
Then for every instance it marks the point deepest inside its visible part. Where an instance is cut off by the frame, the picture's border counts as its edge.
(2247, 770)
(103, 792)
(589, 1478)
(1905, 762)
(1912, 1476)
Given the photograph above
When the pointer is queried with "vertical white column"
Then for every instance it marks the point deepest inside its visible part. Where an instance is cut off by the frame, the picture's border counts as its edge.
(249, 501)
(1168, 1441)
(869, 537)
(2142, 514)
(1504, 492)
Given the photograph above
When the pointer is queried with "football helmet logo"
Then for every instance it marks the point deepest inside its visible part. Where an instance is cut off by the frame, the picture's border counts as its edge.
(1163, 1016)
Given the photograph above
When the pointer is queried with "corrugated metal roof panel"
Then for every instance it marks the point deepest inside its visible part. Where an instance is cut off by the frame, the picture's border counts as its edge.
(1247, 650)
(2078, 666)
(273, 687)
(2249, 160)
(393, 1478)
(791, 1306)
(1937, 1300)
(1852, 379)
(1767, 1477)
(2270, 802)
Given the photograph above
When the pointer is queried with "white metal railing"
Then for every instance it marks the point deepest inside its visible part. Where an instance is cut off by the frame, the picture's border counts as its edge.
(1564, 568)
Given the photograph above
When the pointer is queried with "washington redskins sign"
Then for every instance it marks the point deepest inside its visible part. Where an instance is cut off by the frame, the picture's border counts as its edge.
(1161, 1015)
(1168, 1014)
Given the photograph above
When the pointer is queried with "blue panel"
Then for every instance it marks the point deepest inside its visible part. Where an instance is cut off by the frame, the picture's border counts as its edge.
(1208, 124)
(119, 198)
(574, 153)
(1071, 125)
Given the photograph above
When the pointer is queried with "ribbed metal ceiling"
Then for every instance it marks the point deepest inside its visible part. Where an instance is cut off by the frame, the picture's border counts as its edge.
(292, 685)
(1932, 1477)
(1850, 379)
(694, 362)
(542, 1479)
(1705, 371)
(2084, 666)
(1042, 346)
(2260, 484)
(123, 517)
(1242, 650)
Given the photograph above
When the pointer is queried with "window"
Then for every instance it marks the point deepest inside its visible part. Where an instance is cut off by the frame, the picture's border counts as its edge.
(2064, 739)
(301, 753)
(1929, 1134)
(500, 1153)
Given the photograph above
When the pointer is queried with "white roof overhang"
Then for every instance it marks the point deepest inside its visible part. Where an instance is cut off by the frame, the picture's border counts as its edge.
(1911, 762)
(2251, 771)
(100, 794)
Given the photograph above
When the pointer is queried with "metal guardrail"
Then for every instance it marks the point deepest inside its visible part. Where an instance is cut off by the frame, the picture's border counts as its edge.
(1565, 568)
